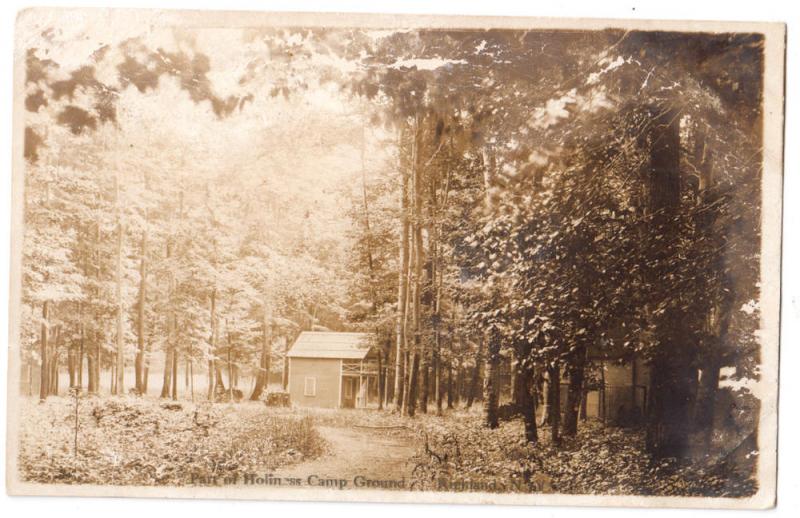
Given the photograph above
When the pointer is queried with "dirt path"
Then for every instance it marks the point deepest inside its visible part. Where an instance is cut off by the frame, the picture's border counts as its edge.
(355, 452)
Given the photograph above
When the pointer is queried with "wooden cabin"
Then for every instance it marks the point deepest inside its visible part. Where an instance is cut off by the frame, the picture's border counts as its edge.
(333, 370)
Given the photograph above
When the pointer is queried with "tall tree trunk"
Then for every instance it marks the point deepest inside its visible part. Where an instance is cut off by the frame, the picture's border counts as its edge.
(167, 381)
(476, 374)
(219, 383)
(491, 394)
(424, 390)
(44, 375)
(380, 380)
(670, 396)
(402, 291)
(112, 373)
(413, 385)
(554, 401)
(191, 375)
(437, 375)
(81, 349)
(388, 381)
(53, 363)
(285, 375)
(719, 283)
(212, 340)
(174, 393)
(169, 352)
(230, 362)
(519, 383)
(490, 383)
(146, 367)
(576, 370)
(119, 381)
(527, 402)
(406, 375)
(672, 377)
(450, 383)
(262, 380)
(706, 408)
(71, 354)
(92, 361)
(140, 324)
(419, 361)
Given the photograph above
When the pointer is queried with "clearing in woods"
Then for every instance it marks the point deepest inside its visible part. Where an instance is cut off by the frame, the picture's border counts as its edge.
(364, 452)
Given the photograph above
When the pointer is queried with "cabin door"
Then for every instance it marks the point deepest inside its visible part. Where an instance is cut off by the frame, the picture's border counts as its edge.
(349, 390)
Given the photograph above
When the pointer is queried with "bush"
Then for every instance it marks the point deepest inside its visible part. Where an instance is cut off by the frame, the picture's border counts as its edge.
(277, 399)
(598, 461)
(135, 441)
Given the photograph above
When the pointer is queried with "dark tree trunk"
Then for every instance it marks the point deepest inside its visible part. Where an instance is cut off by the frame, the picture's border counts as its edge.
(706, 408)
(462, 385)
(381, 381)
(146, 366)
(491, 395)
(425, 385)
(71, 354)
(81, 349)
(219, 383)
(212, 340)
(519, 385)
(262, 380)
(44, 375)
(92, 367)
(167, 380)
(576, 371)
(672, 379)
(672, 383)
(285, 379)
(450, 384)
(174, 393)
(406, 376)
(437, 370)
(476, 374)
(554, 401)
(402, 296)
(169, 353)
(55, 341)
(230, 366)
(413, 385)
(119, 367)
(419, 367)
(527, 402)
(718, 315)
(140, 324)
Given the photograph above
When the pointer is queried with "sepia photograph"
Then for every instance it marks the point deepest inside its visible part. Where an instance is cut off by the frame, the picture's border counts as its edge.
(395, 258)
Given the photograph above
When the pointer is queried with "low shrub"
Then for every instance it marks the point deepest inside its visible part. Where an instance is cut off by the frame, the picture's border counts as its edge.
(141, 442)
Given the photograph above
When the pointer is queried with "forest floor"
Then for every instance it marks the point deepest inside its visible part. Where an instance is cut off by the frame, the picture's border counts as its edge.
(135, 441)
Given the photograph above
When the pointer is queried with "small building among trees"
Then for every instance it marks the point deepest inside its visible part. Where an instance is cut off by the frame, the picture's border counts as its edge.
(333, 370)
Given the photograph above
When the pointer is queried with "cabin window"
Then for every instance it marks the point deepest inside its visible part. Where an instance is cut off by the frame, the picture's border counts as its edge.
(310, 388)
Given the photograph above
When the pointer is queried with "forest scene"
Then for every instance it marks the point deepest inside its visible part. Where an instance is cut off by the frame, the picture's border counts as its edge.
(525, 260)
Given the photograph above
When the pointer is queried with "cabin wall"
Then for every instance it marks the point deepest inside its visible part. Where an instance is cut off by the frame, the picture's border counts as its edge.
(326, 372)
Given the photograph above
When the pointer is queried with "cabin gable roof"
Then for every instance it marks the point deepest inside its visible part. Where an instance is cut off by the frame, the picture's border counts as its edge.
(348, 346)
